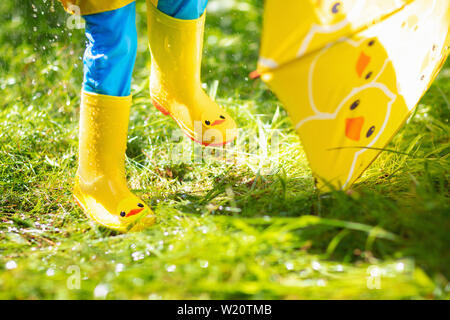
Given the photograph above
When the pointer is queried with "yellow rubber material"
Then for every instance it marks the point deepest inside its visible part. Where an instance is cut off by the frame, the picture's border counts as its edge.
(101, 188)
(175, 85)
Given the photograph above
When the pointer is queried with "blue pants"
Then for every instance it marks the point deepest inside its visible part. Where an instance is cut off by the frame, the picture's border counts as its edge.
(112, 44)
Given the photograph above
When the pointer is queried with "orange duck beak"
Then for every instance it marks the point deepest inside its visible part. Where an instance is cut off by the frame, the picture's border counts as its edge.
(362, 63)
(134, 212)
(217, 122)
(353, 127)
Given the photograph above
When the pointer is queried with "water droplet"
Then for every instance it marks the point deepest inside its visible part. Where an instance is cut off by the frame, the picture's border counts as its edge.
(11, 265)
(316, 265)
(171, 268)
(120, 267)
(101, 291)
(138, 255)
(50, 272)
(289, 265)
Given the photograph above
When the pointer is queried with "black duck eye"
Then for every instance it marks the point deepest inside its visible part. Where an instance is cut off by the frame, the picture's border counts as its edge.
(221, 117)
(140, 205)
(368, 75)
(355, 105)
(122, 213)
(335, 8)
(370, 131)
(371, 43)
(207, 122)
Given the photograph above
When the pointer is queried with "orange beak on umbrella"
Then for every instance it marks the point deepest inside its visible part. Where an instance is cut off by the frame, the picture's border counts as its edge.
(134, 212)
(362, 63)
(353, 128)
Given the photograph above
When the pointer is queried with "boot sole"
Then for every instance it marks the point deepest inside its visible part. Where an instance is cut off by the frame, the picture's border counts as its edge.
(166, 112)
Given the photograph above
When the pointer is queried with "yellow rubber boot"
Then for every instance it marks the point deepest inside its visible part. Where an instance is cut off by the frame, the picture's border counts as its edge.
(101, 188)
(175, 86)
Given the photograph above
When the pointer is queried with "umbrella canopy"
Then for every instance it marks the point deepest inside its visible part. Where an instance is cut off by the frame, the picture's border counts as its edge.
(349, 73)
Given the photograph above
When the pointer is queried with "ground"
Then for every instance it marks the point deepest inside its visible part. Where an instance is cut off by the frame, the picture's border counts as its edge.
(227, 228)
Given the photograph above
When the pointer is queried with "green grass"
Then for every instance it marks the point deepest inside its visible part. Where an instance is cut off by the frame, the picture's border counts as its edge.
(226, 229)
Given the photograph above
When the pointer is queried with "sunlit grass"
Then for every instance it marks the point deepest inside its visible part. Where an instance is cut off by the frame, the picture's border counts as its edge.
(227, 228)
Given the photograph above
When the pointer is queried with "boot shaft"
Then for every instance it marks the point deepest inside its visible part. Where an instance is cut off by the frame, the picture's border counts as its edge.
(176, 48)
(103, 134)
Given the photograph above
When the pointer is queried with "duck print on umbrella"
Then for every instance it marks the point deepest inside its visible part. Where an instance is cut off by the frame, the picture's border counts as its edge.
(347, 133)
(305, 26)
(365, 60)
(357, 73)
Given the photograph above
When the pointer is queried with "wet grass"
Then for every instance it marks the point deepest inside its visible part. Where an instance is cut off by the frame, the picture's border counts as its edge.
(227, 228)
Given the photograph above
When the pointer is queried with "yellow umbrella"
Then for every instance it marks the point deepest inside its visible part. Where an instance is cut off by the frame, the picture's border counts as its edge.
(349, 73)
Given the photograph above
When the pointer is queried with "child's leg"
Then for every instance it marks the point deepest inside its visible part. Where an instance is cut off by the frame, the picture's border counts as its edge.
(101, 187)
(111, 51)
(175, 29)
